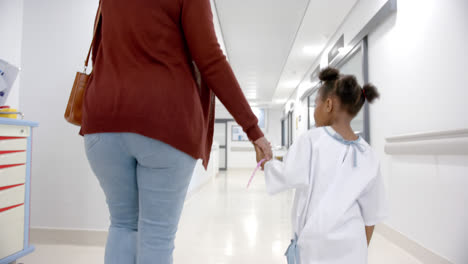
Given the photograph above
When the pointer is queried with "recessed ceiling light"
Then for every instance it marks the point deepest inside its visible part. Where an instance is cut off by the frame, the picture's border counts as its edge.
(251, 94)
(291, 84)
(313, 50)
(280, 101)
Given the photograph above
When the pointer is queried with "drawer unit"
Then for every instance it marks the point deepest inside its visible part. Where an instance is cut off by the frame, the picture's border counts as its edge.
(11, 196)
(13, 143)
(14, 131)
(15, 188)
(11, 231)
(12, 174)
(12, 157)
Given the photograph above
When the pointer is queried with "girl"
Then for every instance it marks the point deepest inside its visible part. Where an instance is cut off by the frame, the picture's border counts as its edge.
(339, 189)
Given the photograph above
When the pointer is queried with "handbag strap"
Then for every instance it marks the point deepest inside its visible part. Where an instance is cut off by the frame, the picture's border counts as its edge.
(98, 19)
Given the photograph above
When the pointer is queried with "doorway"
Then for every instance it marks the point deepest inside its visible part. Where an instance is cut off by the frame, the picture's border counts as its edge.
(220, 136)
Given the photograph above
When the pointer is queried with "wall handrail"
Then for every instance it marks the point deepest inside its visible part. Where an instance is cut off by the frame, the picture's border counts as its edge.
(449, 142)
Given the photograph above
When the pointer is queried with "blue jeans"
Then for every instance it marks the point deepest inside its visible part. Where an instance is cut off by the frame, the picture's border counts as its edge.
(145, 182)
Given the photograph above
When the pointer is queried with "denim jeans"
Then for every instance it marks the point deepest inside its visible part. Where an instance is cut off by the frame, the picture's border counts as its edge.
(145, 183)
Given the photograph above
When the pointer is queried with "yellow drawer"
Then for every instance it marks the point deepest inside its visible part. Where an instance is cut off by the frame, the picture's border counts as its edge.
(11, 231)
(12, 196)
(12, 175)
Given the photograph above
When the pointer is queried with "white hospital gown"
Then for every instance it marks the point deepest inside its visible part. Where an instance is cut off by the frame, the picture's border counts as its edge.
(339, 191)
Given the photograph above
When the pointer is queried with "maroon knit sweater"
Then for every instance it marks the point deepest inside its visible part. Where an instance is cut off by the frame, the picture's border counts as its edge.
(143, 78)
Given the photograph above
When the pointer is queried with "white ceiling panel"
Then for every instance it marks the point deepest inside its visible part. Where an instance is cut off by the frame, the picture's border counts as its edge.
(272, 44)
(321, 21)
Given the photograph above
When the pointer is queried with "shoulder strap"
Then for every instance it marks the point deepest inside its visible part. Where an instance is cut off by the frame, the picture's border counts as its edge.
(98, 19)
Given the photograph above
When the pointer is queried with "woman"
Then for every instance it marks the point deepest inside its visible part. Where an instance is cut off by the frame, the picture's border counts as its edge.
(146, 121)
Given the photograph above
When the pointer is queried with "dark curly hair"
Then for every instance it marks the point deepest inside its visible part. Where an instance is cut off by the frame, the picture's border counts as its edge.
(347, 89)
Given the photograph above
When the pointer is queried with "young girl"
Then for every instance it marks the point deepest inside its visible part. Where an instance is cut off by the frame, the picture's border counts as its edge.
(339, 189)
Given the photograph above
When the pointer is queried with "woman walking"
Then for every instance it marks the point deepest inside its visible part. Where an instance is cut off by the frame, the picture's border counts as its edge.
(146, 121)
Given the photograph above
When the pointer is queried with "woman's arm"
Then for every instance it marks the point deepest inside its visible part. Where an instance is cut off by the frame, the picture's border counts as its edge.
(369, 233)
(199, 32)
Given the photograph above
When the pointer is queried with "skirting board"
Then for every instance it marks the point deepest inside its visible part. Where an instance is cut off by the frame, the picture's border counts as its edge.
(88, 238)
(413, 248)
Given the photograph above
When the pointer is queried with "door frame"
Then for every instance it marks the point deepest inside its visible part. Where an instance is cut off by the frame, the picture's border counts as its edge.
(224, 121)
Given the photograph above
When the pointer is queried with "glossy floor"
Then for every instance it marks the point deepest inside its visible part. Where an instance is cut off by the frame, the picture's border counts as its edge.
(224, 223)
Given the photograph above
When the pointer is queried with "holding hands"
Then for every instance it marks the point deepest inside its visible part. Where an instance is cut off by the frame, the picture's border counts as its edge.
(263, 150)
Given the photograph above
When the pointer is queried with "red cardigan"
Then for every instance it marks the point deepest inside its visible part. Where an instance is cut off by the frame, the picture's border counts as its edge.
(143, 79)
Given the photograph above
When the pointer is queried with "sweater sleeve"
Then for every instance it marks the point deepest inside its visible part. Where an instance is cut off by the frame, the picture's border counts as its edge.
(198, 27)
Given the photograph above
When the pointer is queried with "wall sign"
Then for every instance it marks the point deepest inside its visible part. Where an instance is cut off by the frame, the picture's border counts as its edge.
(336, 49)
(237, 134)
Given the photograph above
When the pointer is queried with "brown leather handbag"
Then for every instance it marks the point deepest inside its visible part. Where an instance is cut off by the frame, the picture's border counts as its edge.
(73, 113)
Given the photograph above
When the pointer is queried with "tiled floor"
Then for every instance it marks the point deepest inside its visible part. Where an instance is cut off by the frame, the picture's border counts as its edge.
(225, 223)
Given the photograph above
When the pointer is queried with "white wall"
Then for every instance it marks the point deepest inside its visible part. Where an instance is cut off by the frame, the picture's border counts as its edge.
(238, 159)
(201, 176)
(56, 36)
(418, 60)
(11, 28)
(221, 112)
(246, 158)
(273, 132)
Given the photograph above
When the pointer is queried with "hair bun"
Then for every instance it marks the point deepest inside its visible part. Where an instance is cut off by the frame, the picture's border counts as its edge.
(329, 74)
(371, 93)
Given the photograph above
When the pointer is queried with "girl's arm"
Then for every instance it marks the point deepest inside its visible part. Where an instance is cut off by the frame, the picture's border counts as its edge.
(369, 233)
(373, 204)
(294, 172)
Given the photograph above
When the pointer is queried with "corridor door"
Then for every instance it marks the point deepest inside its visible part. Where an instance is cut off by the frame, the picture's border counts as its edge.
(220, 136)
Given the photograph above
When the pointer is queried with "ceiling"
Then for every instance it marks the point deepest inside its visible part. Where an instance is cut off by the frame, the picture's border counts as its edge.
(271, 44)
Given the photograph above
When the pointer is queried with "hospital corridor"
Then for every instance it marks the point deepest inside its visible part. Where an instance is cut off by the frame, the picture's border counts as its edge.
(233, 132)
(242, 226)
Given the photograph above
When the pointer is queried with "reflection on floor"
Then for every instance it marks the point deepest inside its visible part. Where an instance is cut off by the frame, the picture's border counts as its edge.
(224, 223)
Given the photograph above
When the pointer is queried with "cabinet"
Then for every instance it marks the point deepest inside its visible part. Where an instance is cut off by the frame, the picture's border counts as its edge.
(15, 188)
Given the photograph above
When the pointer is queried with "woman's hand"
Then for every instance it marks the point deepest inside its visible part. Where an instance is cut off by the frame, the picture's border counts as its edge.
(263, 150)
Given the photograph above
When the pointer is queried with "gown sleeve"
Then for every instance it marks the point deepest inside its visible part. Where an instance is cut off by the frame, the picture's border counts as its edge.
(373, 202)
(294, 172)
